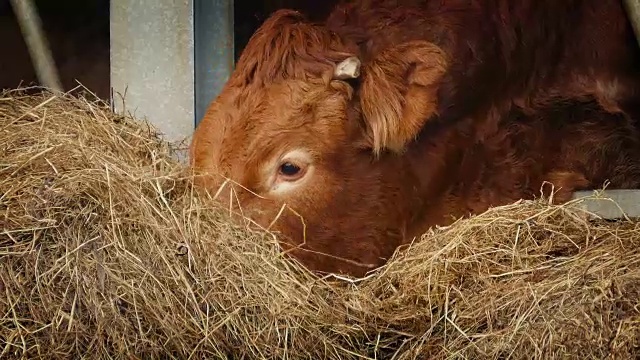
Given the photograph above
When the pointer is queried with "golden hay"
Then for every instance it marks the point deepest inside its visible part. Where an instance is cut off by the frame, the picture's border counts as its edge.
(106, 252)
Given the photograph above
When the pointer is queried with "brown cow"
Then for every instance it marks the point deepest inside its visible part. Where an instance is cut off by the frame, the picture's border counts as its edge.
(496, 52)
(291, 126)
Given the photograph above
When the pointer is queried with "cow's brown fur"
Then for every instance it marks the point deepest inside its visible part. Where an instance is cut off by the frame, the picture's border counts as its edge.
(498, 52)
(359, 205)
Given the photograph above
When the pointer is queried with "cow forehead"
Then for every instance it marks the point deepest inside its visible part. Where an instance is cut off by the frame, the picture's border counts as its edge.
(291, 106)
(284, 115)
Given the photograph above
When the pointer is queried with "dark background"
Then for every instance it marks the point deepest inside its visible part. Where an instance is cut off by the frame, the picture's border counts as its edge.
(78, 34)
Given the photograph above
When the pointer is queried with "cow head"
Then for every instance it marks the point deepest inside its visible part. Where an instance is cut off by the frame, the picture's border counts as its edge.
(299, 123)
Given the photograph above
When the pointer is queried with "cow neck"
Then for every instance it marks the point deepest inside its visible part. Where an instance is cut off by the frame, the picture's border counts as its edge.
(431, 168)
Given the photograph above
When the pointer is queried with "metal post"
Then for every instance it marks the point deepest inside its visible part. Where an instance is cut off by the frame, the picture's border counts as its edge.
(152, 63)
(633, 12)
(36, 41)
(214, 50)
(611, 204)
(169, 59)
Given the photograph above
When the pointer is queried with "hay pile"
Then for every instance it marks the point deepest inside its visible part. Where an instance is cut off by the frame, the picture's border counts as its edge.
(105, 251)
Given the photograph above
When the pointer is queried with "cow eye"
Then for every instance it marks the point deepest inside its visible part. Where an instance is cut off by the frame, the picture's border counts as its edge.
(290, 170)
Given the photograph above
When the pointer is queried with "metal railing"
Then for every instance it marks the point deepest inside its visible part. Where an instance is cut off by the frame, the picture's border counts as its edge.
(37, 44)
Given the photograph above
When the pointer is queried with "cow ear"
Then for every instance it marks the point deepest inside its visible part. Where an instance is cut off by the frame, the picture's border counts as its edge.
(398, 93)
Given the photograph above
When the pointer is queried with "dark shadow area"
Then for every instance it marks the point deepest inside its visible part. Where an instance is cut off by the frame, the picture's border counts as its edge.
(78, 34)
(249, 15)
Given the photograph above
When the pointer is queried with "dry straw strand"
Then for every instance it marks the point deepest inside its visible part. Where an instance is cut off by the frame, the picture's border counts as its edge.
(106, 251)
